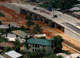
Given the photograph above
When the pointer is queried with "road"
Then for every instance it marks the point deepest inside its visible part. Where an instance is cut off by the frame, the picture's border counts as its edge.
(17, 17)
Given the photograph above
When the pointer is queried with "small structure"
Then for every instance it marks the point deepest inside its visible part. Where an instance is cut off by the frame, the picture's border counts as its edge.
(10, 37)
(6, 44)
(20, 34)
(40, 35)
(13, 54)
(75, 9)
(40, 45)
(76, 14)
(4, 27)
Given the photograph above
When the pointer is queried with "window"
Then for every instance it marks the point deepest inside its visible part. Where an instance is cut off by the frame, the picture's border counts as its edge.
(35, 45)
(38, 46)
(33, 50)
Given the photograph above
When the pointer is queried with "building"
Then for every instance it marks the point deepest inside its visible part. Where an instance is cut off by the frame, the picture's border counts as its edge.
(40, 45)
(10, 37)
(3, 45)
(4, 27)
(12, 54)
(69, 25)
(20, 34)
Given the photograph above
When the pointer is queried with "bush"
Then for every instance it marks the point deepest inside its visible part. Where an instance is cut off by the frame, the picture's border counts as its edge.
(2, 14)
(0, 22)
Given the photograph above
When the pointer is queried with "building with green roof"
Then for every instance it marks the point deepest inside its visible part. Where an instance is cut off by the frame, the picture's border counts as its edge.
(39, 41)
(40, 45)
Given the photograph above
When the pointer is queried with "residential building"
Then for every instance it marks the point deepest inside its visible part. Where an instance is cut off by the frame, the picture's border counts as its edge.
(20, 34)
(4, 27)
(11, 37)
(12, 54)
(3, 45)
(40, 45)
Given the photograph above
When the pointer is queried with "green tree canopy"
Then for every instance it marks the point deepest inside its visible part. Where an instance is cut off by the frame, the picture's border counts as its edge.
(2, 14)
(17, 45)
(54, 56)
(29, 21)
(7, 49)
(58, 43)
(64, 4)
(37, 29)
(3, 39)
(28, 17)
(0, 22)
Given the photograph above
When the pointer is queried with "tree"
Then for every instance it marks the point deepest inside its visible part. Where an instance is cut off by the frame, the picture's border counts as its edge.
(3, 39)
(37, 29)
(64, 4)
(2, 14)
(17, 45)
(28, 17)
(9, 25)
(7, 49)
(54, 56)
(58, 43)
(0, 22)
(29, 21)
(32, 55)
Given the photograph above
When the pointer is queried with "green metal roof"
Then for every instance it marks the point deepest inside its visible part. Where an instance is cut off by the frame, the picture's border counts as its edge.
(52, 39)
(20, 33)
(39, 41)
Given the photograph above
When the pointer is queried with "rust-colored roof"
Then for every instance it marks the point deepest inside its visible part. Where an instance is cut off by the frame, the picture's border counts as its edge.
(6, 44)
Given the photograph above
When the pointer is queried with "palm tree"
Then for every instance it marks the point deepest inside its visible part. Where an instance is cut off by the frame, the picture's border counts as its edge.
(37, 29)
(2, 14)
(17, 45)
(58, 43)
(29, 21)
(9, 25)
(0, 22)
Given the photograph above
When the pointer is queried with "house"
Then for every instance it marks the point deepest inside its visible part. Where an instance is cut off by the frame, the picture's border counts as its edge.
(11, 37)
(4, 27)
(16, 35)
(12, 54)
(6, 44)
(20, 34)
(40, 45)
